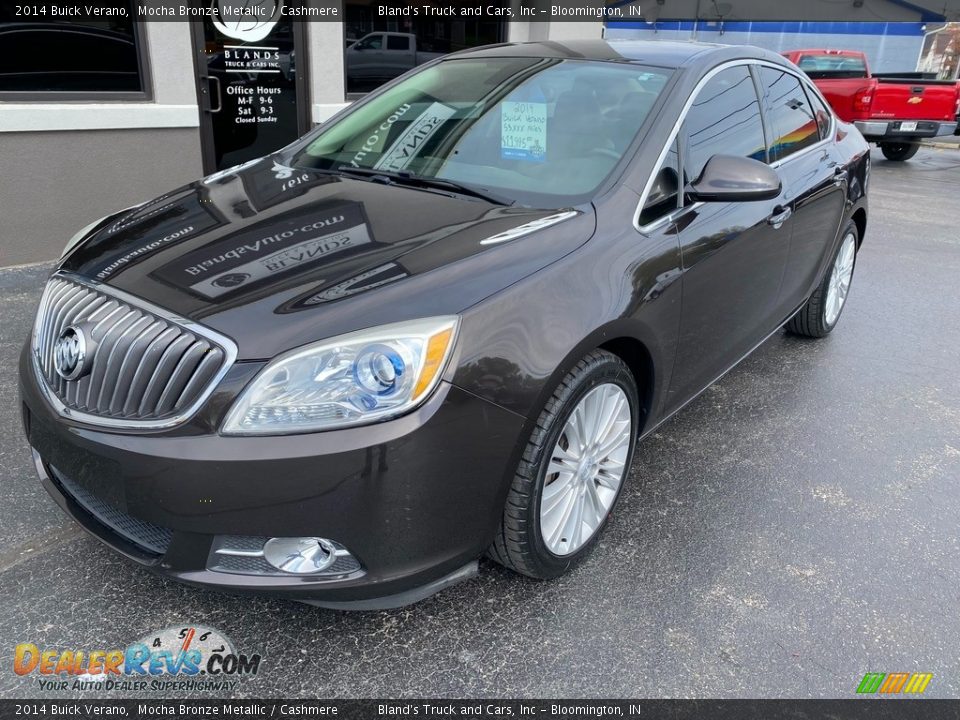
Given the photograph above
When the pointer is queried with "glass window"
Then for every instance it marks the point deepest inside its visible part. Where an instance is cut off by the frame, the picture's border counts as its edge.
(724, 119)
(822, 113)
(398, 42)
(61, 56)
(664, 194)
(832, 66)
(792, 123)
(544, 131)
(371, 42)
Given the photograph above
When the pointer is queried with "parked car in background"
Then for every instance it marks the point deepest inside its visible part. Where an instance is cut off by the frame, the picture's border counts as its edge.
(445, 322)
(893, 110)
(383, 56)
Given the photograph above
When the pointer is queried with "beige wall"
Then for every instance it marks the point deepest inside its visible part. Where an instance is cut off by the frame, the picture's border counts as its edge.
(54, 183)
(559, 31)
(325, 58)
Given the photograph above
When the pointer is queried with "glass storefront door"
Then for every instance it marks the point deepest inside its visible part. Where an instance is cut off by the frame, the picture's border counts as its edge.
(251, 85)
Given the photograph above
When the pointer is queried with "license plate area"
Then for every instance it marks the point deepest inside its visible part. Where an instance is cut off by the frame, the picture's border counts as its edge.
(908, 127)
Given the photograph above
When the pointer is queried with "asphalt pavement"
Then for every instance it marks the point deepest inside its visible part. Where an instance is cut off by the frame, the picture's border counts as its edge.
(792, 529)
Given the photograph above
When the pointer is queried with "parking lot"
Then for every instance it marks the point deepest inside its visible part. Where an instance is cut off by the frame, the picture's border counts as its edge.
(793, 528)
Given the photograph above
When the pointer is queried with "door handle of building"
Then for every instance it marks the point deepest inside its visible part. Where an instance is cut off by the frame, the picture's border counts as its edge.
(780, 215)
(219, 106)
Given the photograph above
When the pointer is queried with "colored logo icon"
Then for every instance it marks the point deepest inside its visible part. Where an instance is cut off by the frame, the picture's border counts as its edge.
(894, 683)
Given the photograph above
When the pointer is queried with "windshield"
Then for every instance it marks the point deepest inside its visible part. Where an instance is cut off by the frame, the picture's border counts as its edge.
(539, 131)
(832, 66)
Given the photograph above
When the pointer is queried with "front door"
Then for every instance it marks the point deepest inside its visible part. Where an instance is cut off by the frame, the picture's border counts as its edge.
(251, 85)
(734, 254)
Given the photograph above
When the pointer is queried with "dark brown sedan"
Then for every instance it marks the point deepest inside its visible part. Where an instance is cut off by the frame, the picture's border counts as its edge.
(437, 326)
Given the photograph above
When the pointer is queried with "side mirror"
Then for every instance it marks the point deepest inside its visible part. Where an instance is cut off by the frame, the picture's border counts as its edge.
(729, 178)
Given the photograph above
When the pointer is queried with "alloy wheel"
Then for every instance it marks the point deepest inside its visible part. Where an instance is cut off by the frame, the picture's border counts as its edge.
(840, 277)
(586, 469)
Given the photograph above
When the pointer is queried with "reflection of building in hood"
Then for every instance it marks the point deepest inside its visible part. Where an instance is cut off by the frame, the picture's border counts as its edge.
(298, 241)
(170, 220)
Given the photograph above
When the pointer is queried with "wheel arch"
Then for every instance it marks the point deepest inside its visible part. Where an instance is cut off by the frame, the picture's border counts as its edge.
(637, 346)
(638, 358)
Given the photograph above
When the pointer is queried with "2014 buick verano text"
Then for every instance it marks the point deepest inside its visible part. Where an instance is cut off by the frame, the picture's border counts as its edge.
(436, 326)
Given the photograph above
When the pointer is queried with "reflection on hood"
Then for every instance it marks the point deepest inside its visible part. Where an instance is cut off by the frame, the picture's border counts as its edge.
(268, 238)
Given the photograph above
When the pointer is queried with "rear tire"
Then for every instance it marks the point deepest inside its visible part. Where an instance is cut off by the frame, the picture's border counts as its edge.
(822, 311)
(583, 471)
(899, 151)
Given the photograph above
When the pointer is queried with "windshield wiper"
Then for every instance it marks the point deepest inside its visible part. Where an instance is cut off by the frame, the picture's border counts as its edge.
(409, 179)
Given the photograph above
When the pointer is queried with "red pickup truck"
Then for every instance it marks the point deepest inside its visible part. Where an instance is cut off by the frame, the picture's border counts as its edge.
(893, 110)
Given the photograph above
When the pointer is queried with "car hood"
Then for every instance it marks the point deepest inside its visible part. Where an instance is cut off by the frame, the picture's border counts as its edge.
(275, 257)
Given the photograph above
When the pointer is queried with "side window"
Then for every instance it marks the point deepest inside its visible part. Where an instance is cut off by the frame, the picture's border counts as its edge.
(821, 112)
(664, 194)
(724, 119)
(792, 122)
(373, 42)
(398, 42)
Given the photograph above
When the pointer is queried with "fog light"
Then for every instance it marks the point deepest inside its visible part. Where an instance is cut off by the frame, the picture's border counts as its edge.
(301, 555)
(307, 557)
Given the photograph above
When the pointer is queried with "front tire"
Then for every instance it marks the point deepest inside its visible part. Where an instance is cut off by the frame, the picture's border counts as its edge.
(572, 470)
(899, 151)
(822, 311)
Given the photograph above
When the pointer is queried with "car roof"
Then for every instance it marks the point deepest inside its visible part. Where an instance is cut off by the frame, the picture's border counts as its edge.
(660, 53)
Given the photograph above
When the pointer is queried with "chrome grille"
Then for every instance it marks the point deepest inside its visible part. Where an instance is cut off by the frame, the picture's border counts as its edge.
(149, 368)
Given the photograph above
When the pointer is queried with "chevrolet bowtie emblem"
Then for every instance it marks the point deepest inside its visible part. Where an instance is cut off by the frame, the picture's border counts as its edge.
(915, 100)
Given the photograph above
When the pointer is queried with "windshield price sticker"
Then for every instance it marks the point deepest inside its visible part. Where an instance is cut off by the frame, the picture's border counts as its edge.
(523, 131)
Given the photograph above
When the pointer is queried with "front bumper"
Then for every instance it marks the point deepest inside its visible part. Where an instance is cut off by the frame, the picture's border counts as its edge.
(891, 130)
(415, 500)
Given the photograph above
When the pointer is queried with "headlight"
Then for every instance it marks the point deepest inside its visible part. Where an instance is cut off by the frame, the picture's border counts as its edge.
(353, 379)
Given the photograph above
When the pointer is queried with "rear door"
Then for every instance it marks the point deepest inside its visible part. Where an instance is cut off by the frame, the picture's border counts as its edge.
(802, 150)
(734, 254)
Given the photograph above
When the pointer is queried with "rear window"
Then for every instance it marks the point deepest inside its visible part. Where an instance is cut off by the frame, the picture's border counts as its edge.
(832, 66)
(792, 120)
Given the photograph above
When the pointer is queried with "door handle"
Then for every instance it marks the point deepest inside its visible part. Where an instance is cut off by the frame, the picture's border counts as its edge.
(219, 96)
(780, 215)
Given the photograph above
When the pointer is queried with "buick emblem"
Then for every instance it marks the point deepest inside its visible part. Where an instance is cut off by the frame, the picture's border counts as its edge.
(70, 353)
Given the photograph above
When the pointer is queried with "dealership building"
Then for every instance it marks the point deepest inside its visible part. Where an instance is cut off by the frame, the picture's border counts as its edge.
(99, 114)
